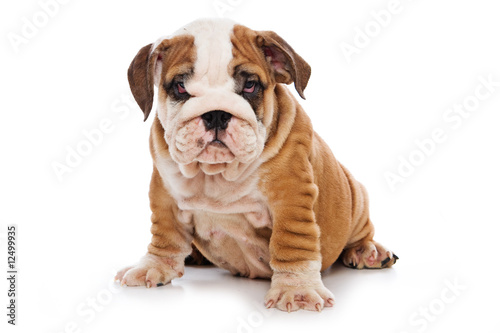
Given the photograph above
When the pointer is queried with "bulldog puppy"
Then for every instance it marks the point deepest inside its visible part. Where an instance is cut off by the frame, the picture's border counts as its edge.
(239, 171)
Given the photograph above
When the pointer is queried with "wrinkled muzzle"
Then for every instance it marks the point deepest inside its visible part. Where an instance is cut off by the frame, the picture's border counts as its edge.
(194, 141)
(207, 131)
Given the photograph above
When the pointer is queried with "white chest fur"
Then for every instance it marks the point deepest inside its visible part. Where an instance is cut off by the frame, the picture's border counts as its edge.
(214, 194)
(226, 216)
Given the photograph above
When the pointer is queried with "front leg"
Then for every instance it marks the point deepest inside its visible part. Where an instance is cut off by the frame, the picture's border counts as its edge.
(170, 244)
(295, 244)
(298, 290)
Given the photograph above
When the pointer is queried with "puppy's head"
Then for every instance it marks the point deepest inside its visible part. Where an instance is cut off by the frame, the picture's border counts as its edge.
(216, 83)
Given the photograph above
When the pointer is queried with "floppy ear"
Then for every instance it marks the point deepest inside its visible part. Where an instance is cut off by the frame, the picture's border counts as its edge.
(141, 74)
(286, 65)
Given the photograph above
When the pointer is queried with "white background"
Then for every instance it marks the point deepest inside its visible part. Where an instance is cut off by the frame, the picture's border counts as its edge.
(73, 234)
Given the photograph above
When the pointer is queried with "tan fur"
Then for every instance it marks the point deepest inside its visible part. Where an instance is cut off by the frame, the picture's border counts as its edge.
(176, 52)
(286, 213)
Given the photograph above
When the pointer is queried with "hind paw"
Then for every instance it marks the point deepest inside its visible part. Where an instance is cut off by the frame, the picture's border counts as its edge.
(369, 254)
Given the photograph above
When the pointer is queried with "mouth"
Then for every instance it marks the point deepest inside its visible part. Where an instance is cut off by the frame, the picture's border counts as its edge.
(216, 152)
(218, 144)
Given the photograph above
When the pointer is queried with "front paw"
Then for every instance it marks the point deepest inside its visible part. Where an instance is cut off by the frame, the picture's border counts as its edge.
(151, 271)
(288, 294)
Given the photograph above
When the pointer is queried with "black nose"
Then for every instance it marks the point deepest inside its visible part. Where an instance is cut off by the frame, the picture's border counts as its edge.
(216, 119)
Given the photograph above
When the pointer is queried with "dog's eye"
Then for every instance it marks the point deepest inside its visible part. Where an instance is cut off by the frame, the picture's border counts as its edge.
(249, 87)
(180, 88)
(176, 89)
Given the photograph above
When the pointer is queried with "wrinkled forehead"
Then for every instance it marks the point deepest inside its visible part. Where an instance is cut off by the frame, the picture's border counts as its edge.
(211, 49)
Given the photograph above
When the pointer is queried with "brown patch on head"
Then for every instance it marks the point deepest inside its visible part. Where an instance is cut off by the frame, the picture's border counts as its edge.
(178, 62)
(266, 55)
(248, 63)
(171, 57)
(272, 54)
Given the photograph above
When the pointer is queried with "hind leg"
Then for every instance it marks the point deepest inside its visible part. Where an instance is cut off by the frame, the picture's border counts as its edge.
(368, 254)
(196, 258)
(361, 250)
